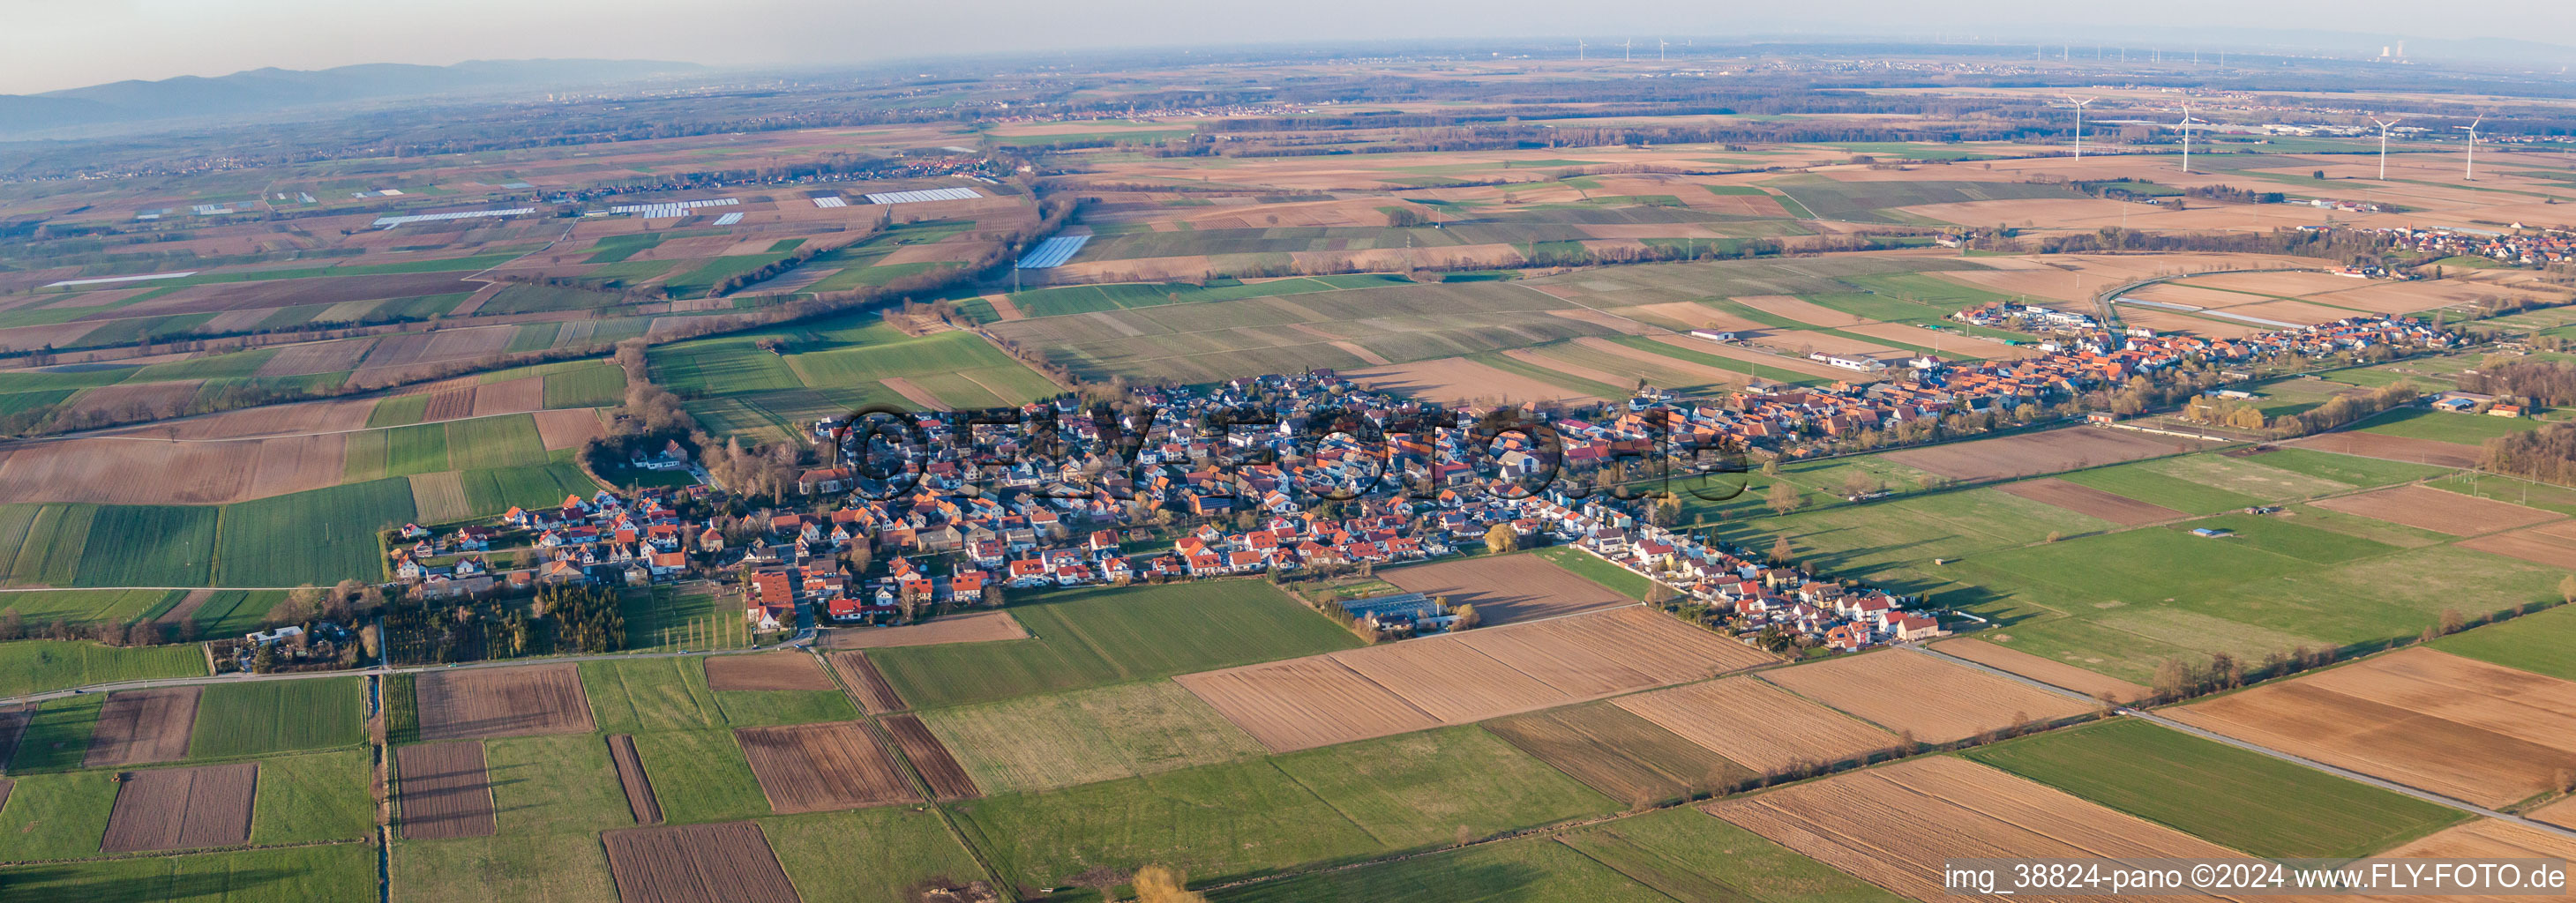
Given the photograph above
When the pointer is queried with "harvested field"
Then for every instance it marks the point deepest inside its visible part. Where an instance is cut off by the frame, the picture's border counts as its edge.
(2287, 285)
(1471, 676)
(2548, 544)
(2561, 813)
(222, 296)
(141, 726)
(1507, 588)
(2456, 726)
(2432, 509)
(1756, 724)
(137, 471)
(1938, 701)
(178, 808)
(451, 404)
(1305, 702)
(640, 800)
(1799, 309)
(271, 420)
(2488, 838)
(1450, 681)
(443, 791)
(1457, 380)
(501, 702)
(726, 863)
(2090, 502)
(1893, 826)
(869, 688)
(316, 357)
(1627, 758)
(820, 767)
(139, 401)
(766, 671)
(947, 779)
(979, 627)
(2045, 670)
(915, 394)
(2028, 454)
(510, 396)
(2392, 448)
(567, 428)
(1798, 342)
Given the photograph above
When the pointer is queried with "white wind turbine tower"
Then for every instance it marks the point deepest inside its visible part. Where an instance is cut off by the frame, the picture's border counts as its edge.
(1660, 44)
(2079, 122)
(1623, 48)
(1578, 49)
(2469, 164)
(2383, 145)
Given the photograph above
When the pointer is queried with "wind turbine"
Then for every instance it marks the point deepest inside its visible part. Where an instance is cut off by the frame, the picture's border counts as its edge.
(2079, 121)
(2186, 135)
(2469, 164)
(1578, 49)
(2383, 145)
(1660, 44)
(1623, 48)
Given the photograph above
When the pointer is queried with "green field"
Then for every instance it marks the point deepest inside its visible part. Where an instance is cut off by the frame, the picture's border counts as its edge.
(333, 873)
(904, 847)
(496, 490)
(58, 735)
(35, 666)
(1672, 854)
(595, 386)
(2139, 482)
(551, 796)
(1088, 638)
(2536, 642)
(1245, 819)
(399, 410)
(258, 719)
(320, 536)
(2240, 799)
(1590, 567)
(1099, 734)
(81, 607)
(313, 797)
(396, 452)
(149, 545)
(2443, 426)
(655, 694)
(489, 442)
(700, 776)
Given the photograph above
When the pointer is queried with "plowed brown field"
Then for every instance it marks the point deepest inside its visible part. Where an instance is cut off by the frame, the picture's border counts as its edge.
(140, 726)
(1893, 826)
(510, 396)
(567, 428)
(177, 808)
(640, 801)
(444, 791)
(819, 767)
(1305, 702)
(726, 863)
(1460, 678)
(1935, 700)
(2441, 512)
(979, 627)
(2090, 502)
(864, 683)
(766, 671)
(2463, 728)
(2488, 838)
(451, 404)
(501, 702)
(2549, 544)
(1505, 588)
(2044, 670)
(948, 780)
(1754, 723)
(2052, 451)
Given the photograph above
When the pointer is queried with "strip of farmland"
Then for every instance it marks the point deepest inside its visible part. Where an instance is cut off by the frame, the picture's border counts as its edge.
(444, 791)
(640, 800)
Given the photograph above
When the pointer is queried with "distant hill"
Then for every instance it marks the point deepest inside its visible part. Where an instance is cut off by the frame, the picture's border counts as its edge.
(265, 90)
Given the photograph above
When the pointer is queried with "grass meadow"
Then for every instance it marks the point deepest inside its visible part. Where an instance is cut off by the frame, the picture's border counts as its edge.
(1094, 637)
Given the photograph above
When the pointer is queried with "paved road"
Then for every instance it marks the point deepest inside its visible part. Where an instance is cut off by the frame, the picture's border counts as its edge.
(2345, 773)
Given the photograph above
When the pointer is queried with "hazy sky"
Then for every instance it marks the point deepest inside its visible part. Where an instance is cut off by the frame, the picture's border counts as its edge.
(51, 44)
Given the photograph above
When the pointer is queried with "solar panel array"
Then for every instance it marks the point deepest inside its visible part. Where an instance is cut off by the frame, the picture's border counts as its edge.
(211, 209)
(834, 201)
(1052, 252)
(389, 222)
(672, 208)
(728, 219)
(934, 194)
